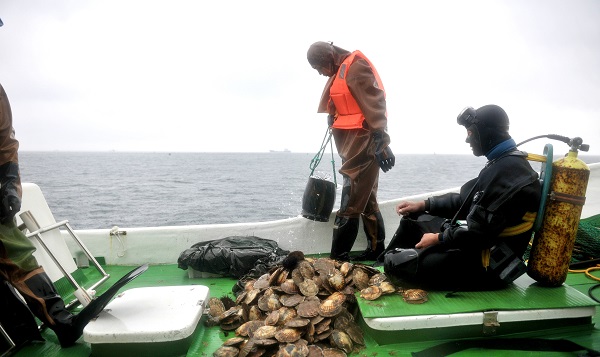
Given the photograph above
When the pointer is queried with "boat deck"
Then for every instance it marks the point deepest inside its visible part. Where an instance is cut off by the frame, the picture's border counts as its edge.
(207, 340)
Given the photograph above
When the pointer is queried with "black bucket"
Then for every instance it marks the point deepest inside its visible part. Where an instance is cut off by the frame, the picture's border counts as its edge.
(318, 199)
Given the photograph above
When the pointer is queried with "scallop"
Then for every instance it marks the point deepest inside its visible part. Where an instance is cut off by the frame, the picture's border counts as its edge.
(415, 296)
(215, 307)
(254, 313)
(286, 314)
(370, 293)
(306, 269)
(360, 278)
(333, 352)
(377, 279)
(341, 340)
(346, 268)
(264, 332)
(272, 318)
(308, 288)
(336, 279)
(262, 282)
(289, 287)
(386, 287)
(329, 308)
(308, 308)
(248, 328)
(252, 296)
(288, 335)
(297, 322)
(226, 351)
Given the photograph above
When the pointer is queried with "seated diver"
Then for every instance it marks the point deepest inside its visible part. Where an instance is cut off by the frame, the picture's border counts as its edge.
(432, 250)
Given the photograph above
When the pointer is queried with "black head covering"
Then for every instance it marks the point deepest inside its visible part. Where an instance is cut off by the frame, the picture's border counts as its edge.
(489, 125)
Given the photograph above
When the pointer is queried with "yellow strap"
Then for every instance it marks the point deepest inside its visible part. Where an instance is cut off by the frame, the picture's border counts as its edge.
(523, 227)
(527, 224)
(485, 258)
(536, 157)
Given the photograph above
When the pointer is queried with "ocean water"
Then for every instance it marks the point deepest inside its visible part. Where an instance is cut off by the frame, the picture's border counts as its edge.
(105, 189)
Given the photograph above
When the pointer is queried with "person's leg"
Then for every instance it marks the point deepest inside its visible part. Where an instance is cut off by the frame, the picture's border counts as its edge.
(375, 232)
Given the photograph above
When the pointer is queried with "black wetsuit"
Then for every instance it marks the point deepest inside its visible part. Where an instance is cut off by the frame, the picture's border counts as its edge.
(506, 189)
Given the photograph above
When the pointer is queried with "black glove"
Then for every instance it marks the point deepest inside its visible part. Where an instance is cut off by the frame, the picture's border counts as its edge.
(385, 156)
(10, 203)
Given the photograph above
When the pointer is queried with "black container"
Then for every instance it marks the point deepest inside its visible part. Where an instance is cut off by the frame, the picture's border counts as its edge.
(318, 199)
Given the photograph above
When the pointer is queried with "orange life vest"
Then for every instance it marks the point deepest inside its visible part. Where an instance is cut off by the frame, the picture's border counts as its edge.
(349, 115)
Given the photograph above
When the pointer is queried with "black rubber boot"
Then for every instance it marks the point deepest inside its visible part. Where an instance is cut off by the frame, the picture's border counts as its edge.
(48, 306)
(16, 318)
(344, 235)
(375, 232)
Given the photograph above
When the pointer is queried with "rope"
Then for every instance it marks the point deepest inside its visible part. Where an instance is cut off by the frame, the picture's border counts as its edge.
(316, 160)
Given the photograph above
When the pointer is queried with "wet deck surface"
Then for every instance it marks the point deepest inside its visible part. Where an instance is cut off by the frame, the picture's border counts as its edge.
(207, 340)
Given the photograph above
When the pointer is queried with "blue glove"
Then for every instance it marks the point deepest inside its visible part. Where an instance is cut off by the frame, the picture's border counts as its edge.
(10, 203)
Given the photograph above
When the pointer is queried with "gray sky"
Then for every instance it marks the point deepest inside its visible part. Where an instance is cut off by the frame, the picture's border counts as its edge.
(149, 75)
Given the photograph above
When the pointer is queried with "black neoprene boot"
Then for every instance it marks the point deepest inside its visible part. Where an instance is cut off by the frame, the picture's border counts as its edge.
(375, 232)
(344, 235)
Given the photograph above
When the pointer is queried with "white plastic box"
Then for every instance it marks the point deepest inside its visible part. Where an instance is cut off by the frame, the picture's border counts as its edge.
(156, 321)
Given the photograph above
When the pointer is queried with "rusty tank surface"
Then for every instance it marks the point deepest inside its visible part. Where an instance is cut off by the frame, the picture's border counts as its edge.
(553, 243)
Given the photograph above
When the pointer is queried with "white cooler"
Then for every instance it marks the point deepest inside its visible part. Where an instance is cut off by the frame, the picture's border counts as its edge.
(151, 321)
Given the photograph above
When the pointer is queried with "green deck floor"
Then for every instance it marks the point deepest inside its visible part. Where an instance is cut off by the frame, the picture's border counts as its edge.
(207, 340)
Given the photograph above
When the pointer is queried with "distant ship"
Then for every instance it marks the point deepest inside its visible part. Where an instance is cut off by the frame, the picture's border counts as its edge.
(284, 150)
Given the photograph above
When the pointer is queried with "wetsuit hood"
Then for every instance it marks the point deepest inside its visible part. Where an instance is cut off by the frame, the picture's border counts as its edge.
(489, 126)
(326, 55)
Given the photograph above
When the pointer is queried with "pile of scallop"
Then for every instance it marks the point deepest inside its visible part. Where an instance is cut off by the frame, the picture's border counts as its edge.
(303, 307)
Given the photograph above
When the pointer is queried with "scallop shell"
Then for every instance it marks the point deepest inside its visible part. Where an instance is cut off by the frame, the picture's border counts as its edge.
(370, 293)
(291, 350)
(315, 351)
(329, 308)
(288, 335)
(291, 300)
(337, 297)
(415, 296)
(297, 276)
(360, 278)
(215, 307)
(324, 265)
(306, 269)
(254, 313)
(346, 268)
(377, 279)
(336, 279)
(333, 352)
(308, 308)
(272, 318)
(264, 332)
(308, 288)
(273, 302)
(355, 333)
(386, 287)
(289, 287)
(252, 296)
(234, 341)
(226, 351)
(265, 342)
(286, 314)
(247, 328)
(262, 282)
(341, 340)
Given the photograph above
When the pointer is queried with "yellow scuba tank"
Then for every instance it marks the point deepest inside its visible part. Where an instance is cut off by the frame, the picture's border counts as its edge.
(553, 243)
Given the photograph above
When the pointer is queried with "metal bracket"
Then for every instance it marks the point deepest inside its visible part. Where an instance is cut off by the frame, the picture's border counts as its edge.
(490, 322)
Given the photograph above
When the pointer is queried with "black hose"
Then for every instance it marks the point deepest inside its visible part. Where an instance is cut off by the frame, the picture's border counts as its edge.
(564, 139)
